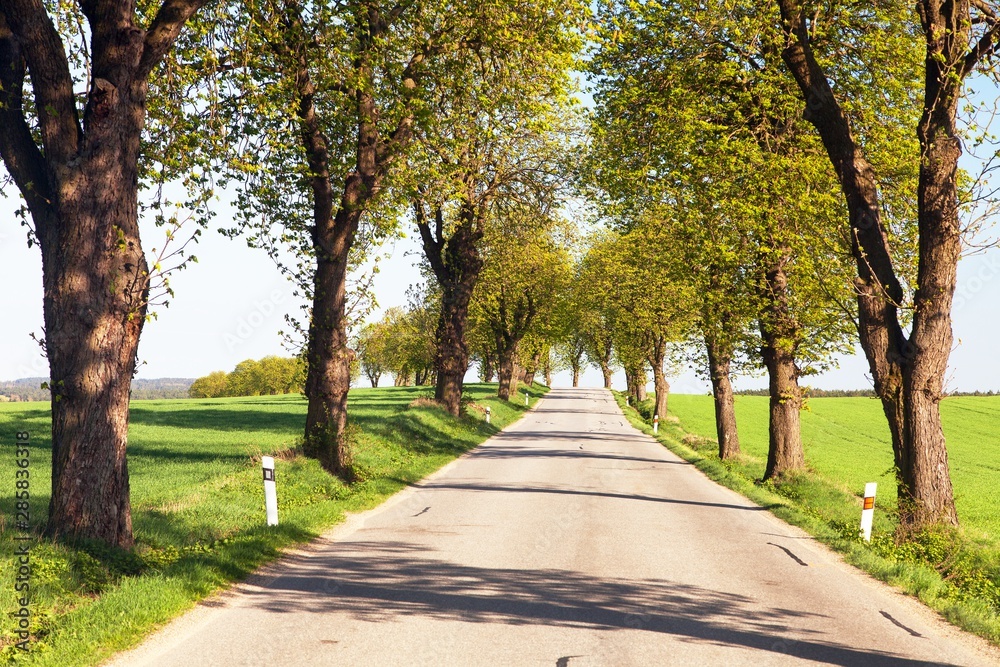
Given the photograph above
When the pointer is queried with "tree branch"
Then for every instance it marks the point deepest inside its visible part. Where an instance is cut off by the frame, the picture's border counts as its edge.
(986, 46)
(51, 81)
(164, 30)
(432, 245)
(18, 149)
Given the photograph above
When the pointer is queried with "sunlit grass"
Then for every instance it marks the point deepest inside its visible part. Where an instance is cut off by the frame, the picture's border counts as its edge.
(847, 441)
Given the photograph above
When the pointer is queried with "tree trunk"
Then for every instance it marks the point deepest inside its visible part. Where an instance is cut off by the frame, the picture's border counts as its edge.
(79, 178)
(456, 264)
(907, 374)
(719, 359)
(640, 385)
(329, 370)
(532, 369)
(515, 377)
(927, 495)
(576, 376)
(486, 369)
(657, 355)
(779, 332)
(607, 373)
(548, 374)
(94, 305)
(662, 389)
(505, 376)
(328, 354)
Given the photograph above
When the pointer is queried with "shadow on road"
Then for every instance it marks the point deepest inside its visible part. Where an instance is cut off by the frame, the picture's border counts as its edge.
(497, 452)
(379, 581)
(583, 492)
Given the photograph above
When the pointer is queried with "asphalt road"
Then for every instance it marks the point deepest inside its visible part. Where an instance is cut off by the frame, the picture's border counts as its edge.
(570, 539)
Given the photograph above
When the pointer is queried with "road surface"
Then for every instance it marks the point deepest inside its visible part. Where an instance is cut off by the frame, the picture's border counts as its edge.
(568, 540)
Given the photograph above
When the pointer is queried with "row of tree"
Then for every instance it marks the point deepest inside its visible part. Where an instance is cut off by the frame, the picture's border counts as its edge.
(802, 216)
(329, 118)
(265, 377)
(334, 120)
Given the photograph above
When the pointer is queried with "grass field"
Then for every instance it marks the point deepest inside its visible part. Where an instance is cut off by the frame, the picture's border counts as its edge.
(957, 573)
(197, 505)
(847, 441)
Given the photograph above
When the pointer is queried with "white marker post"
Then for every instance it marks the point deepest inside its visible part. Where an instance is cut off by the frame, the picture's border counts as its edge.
(487, 414)
(868, 511)
(270, 491)
(656, 424)
(526, 397)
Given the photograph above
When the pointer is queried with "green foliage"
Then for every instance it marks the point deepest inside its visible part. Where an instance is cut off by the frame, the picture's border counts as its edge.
(265, 377)
(198, 506)
(526, 272)
(210, 386)
(371, 346)
(699, 146)
(407, 340)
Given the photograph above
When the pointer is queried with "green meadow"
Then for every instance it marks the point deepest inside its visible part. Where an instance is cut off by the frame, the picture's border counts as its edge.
(847, 442)
(197, 505)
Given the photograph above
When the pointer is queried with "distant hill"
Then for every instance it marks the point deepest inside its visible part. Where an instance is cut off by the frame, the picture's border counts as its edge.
(29, 389)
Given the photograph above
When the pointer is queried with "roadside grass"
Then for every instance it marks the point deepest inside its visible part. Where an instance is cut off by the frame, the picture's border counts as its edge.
(957, 573)
(197, 505)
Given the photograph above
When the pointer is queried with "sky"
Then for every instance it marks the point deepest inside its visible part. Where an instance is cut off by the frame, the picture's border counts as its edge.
(231, 305)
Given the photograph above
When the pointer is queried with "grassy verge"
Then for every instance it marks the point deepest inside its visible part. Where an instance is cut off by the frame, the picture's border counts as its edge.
(197, 502)
(954, 573)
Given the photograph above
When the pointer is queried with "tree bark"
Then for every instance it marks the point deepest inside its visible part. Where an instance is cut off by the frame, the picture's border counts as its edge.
(779, 333)
(79, 179)
(506, 375)
(719, 359)
(577, 350)
(640, 385)
(328, 378)
(656, 358)
(607, 373)
(515, 378)
(635, 383)
(456, 264)
(532, 369)
(908, 374)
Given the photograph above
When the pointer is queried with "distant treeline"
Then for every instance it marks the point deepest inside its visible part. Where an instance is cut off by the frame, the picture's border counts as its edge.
(866, 393)
(30, 389)
(816, 393)
(267, 376)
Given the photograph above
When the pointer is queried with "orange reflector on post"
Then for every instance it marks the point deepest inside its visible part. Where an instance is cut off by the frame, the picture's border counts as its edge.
(868, 511)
